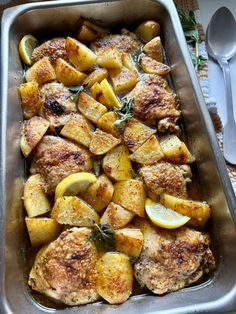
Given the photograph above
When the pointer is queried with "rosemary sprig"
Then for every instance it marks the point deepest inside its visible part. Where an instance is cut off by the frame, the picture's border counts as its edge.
(103, 237)
(190, 29)
(125, 113)
(76, 89)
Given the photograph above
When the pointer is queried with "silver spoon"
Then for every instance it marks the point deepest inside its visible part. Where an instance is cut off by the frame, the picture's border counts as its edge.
(221, 46)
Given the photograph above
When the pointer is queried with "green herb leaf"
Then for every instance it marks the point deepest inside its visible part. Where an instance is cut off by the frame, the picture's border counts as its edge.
(125, 113)
(75, 89)
(103, 237)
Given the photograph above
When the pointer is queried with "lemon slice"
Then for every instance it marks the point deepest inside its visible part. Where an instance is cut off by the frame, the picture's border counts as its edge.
(74, 184)
(26, 47)
(164, 217)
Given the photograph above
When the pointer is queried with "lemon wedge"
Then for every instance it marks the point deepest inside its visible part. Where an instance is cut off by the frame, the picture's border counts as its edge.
(164, 217)
(26, 47)
(74, 184)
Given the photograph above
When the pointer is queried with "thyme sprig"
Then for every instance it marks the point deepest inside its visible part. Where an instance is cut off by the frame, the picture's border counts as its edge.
(190, 29)
(126, 111)
(103, 237)
(75, 89)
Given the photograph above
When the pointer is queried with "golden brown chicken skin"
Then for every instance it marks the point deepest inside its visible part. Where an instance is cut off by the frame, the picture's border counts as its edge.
(57, 105)
(56, 158)
(53, 48)
(164, 177)
(66, 269)
(172, 259)
(124, 42)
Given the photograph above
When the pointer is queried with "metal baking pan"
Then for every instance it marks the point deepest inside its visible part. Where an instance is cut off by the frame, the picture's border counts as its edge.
(216, 294)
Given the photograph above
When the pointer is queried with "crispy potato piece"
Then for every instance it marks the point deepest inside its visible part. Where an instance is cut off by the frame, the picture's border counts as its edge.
(68, 75)
(41, 72)
(32, 132)
(71, 210)
(116, 164)
(129, 241)
(199, 211)
(110, 98)
(42, 230)
(131, 195)
(35, 199)
(115, 277)
(109, 58)
(175, 150)
(86, 34)
(90, 108)
(30, 99)
(96, 76)
(102, 142)
(99, 193)
(98, 29)
(152, 66)
(106, 123)
(136, 133)
(148, 30)
(116, 216)
(148, 153)
(80, 55)
(78, 129)
(128, 62)
(122, 79)
(154, 49)
(97, 93)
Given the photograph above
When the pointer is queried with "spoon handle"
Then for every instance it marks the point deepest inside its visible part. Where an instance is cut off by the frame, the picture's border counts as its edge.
(229, 99)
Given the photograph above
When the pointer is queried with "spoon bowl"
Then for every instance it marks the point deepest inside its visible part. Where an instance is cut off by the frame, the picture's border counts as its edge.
(221, 46)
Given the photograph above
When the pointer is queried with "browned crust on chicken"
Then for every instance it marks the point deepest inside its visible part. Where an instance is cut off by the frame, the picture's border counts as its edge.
(66, 270)
(126, 42)
(54, 48)
(56, 158)
(173, 259)
(164, 177)
(57, 104)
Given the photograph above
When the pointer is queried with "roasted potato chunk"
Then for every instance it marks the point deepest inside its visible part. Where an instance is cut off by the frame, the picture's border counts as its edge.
(107, 123)
(129, 241)
(71, 210)
(86, 34)
(102, 142)
(152, 66)
(122, 79)
(42, 230)
(30, 99)
(99, 194)
(109, 95)
(78, 129)
(34, 197)
(116, 216)
(97, 93)
(199, 211)
(41, 72)
(136, 133)
(96, 76)
(109, 58)
(90, 108)
(175, 150)
(128, 62)
(116, 164)
(154, 49)
(80, 55)
(148, 30)
(148, 153)
(32, 132)
(68, 75)
(115, 277)
(131, 195)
